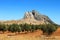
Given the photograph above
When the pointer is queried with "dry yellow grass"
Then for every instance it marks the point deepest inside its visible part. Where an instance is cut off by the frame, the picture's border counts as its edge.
(30, 36)
(57, 32)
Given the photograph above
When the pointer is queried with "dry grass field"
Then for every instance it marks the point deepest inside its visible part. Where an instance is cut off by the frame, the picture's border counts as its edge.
(30, 36)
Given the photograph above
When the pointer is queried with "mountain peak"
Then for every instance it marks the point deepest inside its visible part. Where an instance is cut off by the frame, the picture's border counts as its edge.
(28, 15)
(31, 17)
(37, 16)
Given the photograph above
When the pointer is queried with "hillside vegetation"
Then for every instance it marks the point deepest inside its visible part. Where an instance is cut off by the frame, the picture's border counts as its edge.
(46, 28)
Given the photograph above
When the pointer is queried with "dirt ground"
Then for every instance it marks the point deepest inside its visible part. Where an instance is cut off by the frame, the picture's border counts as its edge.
(30, 36)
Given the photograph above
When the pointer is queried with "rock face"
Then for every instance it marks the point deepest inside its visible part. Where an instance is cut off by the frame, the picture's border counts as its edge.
(37, 17)
(28, 15)
(32, 17)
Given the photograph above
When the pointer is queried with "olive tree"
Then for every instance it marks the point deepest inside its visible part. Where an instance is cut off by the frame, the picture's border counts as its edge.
(3, 28)
(50, 29)
(19, 29)
(13, 28)
(43, 28)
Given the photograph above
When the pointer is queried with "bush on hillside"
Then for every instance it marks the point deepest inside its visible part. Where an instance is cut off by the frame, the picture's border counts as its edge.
(50, 29)
(46, 28)
(13, 28)
(3, 28)
(43, 28)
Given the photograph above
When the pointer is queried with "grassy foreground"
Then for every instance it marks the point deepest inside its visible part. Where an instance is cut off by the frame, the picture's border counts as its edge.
(29, 36)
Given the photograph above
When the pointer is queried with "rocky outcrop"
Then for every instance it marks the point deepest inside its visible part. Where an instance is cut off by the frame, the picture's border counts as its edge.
(38, 17)
(28, 15)
(32, 17)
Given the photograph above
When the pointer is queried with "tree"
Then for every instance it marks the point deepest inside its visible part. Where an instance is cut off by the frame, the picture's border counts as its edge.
(50, 29)
(26, 27)
(22, 27)
(3, 28)
(33, 28)
(43, 28)
(19, 29)
(13, 28)
(38, 27)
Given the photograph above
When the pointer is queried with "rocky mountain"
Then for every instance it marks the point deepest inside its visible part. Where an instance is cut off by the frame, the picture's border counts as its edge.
(37, 17)
(32, 17)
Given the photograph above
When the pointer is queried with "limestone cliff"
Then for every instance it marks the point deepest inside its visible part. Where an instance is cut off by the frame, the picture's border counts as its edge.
(32, 17)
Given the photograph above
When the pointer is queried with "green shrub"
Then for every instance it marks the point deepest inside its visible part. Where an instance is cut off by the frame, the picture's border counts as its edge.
(46, 28)
(19, 29)
(13, 28)
(43, 28)
(33, 28)
(22, 27)
(50, 29)
(3, 28)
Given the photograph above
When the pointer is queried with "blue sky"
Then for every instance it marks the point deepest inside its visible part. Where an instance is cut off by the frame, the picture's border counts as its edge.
(15, 9)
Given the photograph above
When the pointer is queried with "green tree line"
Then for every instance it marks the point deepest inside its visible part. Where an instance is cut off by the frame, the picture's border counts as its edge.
(46, 28)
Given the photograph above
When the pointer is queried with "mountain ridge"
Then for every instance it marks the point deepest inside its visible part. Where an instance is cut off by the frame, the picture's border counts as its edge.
(31, 17)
